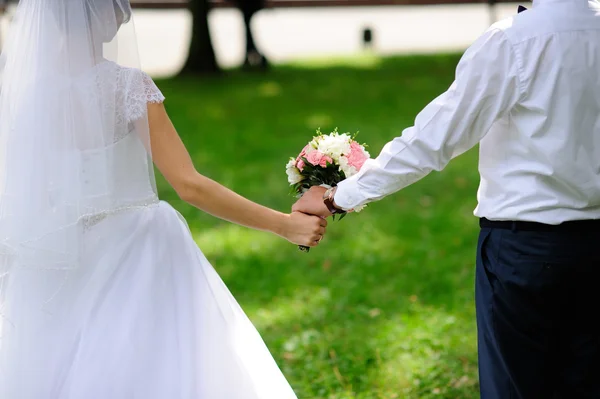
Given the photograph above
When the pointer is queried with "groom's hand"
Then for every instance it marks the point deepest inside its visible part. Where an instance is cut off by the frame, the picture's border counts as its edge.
(312, 203)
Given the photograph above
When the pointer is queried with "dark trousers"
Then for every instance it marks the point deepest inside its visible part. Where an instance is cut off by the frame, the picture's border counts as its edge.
(538, 305)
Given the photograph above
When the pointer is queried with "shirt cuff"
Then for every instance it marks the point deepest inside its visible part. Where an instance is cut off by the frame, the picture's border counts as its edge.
(348, 195)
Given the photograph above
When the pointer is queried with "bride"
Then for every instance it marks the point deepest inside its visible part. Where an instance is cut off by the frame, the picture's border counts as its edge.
(103, 292)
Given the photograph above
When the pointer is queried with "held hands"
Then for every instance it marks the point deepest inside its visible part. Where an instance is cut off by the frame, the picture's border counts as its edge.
(308, 230)
(312, 203)
(304, 229)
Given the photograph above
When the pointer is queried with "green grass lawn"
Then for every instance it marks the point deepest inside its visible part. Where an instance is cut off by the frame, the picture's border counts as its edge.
(384, 307)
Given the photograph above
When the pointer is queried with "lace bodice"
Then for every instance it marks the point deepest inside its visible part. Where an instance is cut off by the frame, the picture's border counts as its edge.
(121, 158)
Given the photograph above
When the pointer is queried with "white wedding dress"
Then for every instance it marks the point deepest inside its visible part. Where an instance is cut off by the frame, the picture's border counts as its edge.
(144, 316)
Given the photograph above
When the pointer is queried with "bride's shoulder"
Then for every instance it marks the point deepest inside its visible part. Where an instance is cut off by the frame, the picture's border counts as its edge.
(137, 83)
(137, 89)
(129, 75)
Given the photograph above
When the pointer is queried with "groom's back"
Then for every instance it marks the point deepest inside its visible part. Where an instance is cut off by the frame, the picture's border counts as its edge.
(557, 120)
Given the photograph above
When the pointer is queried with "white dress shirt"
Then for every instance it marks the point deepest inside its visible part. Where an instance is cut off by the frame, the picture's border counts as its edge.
(528, 91)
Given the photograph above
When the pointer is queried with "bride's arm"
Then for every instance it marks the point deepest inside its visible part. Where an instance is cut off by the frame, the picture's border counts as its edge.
(174, 162)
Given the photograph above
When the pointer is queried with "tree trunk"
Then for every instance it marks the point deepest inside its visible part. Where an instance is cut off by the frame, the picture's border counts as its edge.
(254, 58)
(201, 58)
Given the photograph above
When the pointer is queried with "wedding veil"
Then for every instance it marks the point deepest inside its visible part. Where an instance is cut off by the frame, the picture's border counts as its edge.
(74, 147)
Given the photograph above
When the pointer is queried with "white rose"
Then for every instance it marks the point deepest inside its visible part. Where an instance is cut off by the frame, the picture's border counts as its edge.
(360, 208)
(348, 170)
(334, 145)
(365, 151)
(293, 173)
(312, 146)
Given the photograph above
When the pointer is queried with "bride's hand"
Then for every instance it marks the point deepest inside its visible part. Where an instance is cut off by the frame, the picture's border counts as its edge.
(302, 229)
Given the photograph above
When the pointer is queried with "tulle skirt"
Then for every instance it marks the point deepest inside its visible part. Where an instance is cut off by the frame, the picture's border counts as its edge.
(145, 317)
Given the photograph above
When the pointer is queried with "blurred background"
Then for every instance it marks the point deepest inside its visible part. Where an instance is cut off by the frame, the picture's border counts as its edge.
(384, 307)
(290, 30)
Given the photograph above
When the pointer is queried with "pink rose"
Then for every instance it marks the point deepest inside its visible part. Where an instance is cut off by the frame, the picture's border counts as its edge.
(318, 158)
(304, 151)
(357, 156)
(299, 162)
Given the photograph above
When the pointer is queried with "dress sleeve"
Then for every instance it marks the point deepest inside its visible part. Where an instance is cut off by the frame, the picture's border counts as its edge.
(140, 90)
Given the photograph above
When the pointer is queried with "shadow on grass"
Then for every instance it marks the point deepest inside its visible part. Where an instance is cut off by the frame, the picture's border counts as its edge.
(383, 308)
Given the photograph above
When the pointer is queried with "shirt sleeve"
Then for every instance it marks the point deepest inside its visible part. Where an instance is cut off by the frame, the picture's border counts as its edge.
(486, 87)
(141, 90)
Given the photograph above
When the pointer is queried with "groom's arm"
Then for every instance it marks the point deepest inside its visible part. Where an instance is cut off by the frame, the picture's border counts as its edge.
(486, 87)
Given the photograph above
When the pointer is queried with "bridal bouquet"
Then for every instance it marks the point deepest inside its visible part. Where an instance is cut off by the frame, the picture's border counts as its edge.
(326, 161)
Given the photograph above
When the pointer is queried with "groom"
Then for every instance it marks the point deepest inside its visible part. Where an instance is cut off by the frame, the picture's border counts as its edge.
(528, 91)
